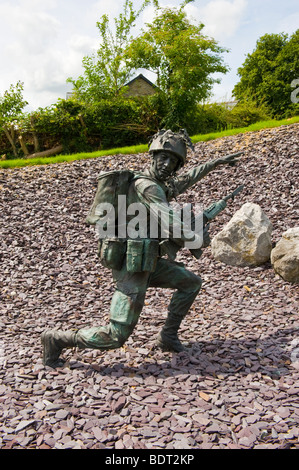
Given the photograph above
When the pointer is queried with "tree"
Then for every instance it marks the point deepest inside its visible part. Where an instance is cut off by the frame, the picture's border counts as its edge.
(12, 104)
(182, 58)
(106, 71)
(267, 74)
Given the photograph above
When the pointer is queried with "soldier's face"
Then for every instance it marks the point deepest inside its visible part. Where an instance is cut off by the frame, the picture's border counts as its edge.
(164, 164)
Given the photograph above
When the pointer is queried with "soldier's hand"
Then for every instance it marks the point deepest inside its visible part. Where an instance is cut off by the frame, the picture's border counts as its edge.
(230, 160)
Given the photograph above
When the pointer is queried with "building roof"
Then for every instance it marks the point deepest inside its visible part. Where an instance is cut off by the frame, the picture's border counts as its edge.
(142, 77)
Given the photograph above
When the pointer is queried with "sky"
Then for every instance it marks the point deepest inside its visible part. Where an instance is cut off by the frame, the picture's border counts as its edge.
(43, 42)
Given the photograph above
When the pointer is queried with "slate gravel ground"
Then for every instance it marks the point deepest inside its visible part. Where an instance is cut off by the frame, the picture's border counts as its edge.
(237, 387)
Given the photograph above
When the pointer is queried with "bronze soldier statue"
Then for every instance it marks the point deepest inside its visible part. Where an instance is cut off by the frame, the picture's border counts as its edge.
(139, 263)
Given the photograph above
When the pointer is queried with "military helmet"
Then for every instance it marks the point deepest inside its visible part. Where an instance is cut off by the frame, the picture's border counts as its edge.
(174, 142)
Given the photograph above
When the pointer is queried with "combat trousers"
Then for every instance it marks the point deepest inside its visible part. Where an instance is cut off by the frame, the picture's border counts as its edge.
(128, 300)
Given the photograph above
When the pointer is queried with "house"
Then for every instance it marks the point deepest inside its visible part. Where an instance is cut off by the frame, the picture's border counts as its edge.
(140, 86)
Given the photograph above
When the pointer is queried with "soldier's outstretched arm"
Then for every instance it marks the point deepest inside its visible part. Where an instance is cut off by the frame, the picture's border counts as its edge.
(231, 160)
(188, 179)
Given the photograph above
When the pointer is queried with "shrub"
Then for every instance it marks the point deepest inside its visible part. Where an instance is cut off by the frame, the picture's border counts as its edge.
(207, 118)
(112, 123)
(121, 122)
(84, 128)
(292, 111)
(217, 117)
(247, 113)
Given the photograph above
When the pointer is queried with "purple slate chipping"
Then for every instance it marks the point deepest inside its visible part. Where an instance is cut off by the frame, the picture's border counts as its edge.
(241, 341)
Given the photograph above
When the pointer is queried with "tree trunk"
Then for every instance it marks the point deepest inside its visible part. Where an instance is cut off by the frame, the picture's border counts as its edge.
(23, 146)
(11, 141)
(47, 153)
(82, 123)
(36, 142)
(35, 138)
(81, 120)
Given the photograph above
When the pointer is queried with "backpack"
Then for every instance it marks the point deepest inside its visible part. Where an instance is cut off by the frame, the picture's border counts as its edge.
(113, 251)
(111, 184)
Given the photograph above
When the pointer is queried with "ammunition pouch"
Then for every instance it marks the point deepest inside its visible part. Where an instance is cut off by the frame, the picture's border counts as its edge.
(139, 254)
(111, 252)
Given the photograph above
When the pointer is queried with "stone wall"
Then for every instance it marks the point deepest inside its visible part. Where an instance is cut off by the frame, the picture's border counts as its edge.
(140, 87)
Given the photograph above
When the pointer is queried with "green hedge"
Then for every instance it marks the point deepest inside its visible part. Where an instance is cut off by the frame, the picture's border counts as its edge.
(97, 126)
(218, 117)
(118, 123)
(78, 127)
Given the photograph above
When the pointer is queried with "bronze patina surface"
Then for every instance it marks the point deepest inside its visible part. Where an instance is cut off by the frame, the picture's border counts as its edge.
(138, 264)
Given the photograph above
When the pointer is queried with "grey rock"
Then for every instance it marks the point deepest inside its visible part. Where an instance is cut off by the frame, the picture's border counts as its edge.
(246, 239)
(285, 256)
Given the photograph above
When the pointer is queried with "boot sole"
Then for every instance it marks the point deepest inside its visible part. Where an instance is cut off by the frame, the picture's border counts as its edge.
(167, 348)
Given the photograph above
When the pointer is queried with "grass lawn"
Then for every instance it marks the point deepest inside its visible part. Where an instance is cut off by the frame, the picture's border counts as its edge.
(20, 162)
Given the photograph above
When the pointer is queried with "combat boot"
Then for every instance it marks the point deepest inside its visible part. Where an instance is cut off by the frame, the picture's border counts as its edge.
(168, 339)
(54, 342)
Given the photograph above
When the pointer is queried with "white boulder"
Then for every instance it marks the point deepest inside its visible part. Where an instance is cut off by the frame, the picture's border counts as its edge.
(246, 239)
(285, 256)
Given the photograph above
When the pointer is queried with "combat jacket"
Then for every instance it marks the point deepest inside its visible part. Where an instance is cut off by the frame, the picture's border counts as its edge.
(157, 195)
(141, 251)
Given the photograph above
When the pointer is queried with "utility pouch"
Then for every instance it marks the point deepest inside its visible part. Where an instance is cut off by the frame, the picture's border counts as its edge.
(150, 255)
(111, 252)
(134, 255)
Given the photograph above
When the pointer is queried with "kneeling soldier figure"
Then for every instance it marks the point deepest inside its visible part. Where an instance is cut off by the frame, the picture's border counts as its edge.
(138, 263)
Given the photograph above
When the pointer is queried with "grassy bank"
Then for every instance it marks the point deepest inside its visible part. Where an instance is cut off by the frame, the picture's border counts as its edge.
(240, 130)
(16, 163)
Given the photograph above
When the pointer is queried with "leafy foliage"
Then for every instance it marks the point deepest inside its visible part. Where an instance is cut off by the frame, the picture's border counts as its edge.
(217, 117)
(267, 73)
(100, 116)
(183, 60)
(80, 127)
(107, 71)
(12, 104)
(121, 122)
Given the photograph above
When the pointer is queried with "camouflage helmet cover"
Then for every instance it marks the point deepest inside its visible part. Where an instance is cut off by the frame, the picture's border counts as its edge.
(174, 142)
